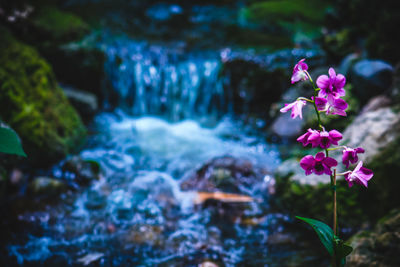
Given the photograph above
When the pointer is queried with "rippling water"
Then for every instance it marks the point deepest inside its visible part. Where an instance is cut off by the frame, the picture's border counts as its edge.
(136, 214)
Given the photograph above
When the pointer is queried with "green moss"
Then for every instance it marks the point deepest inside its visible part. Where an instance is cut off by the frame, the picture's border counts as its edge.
(57, 25)
(385, 184)
(288, 10)
(32, 103)
(316, 201)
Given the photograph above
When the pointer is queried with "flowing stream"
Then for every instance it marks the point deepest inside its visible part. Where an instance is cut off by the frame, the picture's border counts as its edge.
(172, 118)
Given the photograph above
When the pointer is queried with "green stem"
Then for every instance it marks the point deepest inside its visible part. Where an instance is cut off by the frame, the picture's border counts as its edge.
(333, 177)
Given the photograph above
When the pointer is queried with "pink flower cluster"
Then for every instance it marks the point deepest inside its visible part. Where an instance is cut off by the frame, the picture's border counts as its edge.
(327, 99)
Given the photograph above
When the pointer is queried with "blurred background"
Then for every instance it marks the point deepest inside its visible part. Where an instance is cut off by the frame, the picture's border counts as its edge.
(154, 136)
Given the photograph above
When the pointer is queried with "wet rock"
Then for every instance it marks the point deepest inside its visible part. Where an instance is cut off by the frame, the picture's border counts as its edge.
(225, 174)
(82, 171)
(371, 78)
(379, 247)
(46, 186)
(146, 234)
(84, 102)
(34, 105)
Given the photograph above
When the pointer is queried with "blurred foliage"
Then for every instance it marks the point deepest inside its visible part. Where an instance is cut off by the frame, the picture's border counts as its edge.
(32, 103)
(57, 25)
(300, 18)
(315, 201)
(369, 23)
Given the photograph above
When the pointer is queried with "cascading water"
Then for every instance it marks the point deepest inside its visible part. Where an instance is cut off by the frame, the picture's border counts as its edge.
(157, 80)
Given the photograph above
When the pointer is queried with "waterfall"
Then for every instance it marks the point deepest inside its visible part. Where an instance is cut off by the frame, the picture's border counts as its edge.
(157, 80)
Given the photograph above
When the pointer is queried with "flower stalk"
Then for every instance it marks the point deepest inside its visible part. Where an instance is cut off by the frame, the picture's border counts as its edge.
(326, 98)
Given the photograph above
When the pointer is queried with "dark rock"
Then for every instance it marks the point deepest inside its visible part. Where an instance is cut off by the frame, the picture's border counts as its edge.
(225, 174)
(371, 78)
(252, 88)
(348, 63)
(80, 65)
(46, 186)
(82, 171)
(379, 247)
(85, 102)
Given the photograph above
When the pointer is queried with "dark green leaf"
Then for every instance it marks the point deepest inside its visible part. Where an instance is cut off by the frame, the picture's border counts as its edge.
(341, 251)
(9, 142)
(323, 231)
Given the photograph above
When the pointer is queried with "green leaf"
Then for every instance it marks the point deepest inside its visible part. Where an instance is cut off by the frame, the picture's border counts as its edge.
(323, 231)
(9, 142)
(341, 251)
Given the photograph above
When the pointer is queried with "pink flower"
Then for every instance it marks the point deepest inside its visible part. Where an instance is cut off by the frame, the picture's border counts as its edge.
(304, 138)
(334, 106)
(324, 139)
(296, 108)
(350, 155)
(318, 165)
(332, 85)
(360, 175)
(300, 71)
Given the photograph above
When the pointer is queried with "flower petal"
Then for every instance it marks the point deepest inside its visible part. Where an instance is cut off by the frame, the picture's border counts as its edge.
(320, 102)
(320, 156)
(340, 81)
(332, 73)
(323, 82)
(287, 107)
(330, 162)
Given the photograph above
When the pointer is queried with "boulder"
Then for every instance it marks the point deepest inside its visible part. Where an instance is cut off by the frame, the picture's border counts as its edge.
(377, 102)
(373, 130)
(379, 247)
(225, 174)
(371, 78)
(79, 64)
(33, 104)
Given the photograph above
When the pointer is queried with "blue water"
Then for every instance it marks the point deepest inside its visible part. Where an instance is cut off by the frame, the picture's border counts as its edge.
(171, 119)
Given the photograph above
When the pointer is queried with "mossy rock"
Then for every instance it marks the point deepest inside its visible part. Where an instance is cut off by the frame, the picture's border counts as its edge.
(57, 26)
(33, 104)
(315, 201)
(379, 246)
